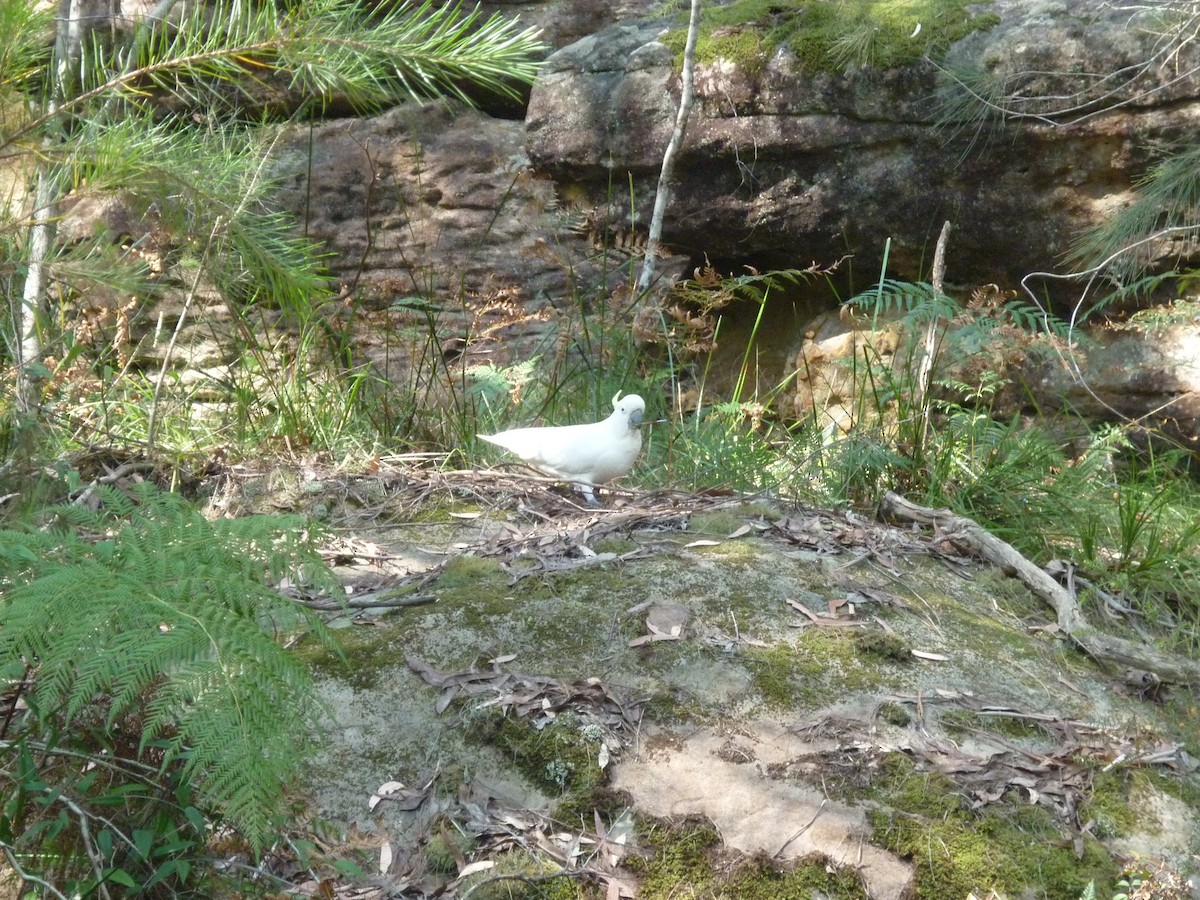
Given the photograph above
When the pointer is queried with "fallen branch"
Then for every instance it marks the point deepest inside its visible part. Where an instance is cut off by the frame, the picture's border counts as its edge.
(1071, 620)
(370, 601)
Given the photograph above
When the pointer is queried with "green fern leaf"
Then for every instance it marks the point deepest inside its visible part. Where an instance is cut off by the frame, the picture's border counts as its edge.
(154, 614)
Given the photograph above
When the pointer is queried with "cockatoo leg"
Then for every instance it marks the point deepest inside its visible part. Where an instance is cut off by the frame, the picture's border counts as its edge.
(589, 494)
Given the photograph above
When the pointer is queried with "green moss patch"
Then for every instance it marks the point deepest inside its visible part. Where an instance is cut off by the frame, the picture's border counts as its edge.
(776, 672)
(956, 851)
(717, 524)
(958, 722)
(895, 715)
(1110, 803)
(802, 675)
(883, 645)
(686, 859)
(519, 875)
(470, 572)
(760, 878)
(831, 35)
(677, 854)
(446, 847)
(561, 758)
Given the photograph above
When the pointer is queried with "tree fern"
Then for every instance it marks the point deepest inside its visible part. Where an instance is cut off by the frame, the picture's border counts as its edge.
(146, 612)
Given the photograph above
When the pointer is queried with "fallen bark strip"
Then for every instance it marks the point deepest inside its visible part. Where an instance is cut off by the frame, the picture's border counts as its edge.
(369, 601)
(1071, 620)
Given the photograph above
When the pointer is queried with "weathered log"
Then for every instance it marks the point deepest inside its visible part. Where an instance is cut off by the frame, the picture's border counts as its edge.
(1074, 625)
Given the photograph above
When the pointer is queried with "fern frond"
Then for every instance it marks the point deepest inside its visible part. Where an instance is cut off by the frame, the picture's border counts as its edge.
(916, 301)
(1139, 288)
(1031, 317)
(157, 614)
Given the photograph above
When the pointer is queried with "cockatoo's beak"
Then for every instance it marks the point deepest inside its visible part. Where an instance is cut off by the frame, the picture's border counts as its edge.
(635, 418)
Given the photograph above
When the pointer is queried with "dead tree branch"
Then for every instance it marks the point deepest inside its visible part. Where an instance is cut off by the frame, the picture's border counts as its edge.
(1074, 625)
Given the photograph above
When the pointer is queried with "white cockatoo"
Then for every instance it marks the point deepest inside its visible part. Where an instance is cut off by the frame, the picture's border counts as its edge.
(585, 455)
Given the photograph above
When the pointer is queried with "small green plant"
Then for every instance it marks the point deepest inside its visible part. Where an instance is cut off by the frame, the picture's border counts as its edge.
(1127, 885)
(1141, 539)
(917, 430)
(717, 448)
(141, 637)
(731, 441)
(930, 430)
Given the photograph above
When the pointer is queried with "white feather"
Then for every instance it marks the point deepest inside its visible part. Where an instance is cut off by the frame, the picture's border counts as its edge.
(585, 455)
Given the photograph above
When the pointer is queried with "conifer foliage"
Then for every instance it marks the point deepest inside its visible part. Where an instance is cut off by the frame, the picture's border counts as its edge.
(144, 640)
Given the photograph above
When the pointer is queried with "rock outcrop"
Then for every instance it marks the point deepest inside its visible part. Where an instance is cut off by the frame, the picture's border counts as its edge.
(786, 162)
(1147, 376)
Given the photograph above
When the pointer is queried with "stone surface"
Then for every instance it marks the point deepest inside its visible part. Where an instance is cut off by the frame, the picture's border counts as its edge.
(565, 21)
(1151, 377)
(1148, 376)
(437, 199)
(779, 777)
(719, 773)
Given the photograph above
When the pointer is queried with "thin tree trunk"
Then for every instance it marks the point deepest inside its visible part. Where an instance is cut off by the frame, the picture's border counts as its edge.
(929, 348)
(668, 164)
(33, 296)
(67, 54)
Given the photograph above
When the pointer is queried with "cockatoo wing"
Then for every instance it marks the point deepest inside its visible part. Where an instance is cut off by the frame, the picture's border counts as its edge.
(588, 454)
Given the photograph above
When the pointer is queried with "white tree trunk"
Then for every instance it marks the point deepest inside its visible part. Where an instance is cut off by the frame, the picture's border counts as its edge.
(67, 53)
(668, 164)
(33, 296)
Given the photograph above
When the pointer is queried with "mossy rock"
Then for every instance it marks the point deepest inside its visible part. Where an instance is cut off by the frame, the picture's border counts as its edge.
(561, 758)
(576, 623)
(801, 675)
(883, 645)
(686, 859)
(776, 672)
(470, 572)
(956, 851)
(832, 35)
